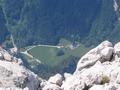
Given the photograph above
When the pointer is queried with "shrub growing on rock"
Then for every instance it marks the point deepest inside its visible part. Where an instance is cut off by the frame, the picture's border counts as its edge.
(105, 79)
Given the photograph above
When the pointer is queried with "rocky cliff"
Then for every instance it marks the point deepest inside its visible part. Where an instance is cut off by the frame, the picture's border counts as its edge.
(99, 69)
(13, 75)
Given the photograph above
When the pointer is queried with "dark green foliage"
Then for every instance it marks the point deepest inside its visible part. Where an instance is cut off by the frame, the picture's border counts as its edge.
(13, 10)
(47, 21)
(60, 53)
(3, 28)
(104, 24)
(69, 64)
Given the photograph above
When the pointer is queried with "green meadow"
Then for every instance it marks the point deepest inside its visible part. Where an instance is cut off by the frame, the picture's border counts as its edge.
(48, 60)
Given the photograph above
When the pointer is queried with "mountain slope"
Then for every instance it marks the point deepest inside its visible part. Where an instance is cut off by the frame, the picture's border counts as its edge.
(48, 20)
(105, 25)
(3, 29)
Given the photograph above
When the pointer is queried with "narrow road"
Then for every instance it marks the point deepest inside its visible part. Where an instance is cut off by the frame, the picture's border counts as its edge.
(44, 46)
(26, 53)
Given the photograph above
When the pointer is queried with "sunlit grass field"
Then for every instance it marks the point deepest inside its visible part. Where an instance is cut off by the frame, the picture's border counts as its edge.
(48, 55)
(53, 60)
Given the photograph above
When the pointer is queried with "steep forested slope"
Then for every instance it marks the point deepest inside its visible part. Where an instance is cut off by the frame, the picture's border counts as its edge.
(3, 28)
(104, 26)
(47, 21)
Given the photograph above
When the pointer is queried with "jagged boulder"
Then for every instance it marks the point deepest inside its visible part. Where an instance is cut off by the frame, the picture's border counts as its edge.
(67, 75)
(86, 78)
(107, 53)
(117, 49)
(87, 61)
(4, 55)
(12, 75)
(54, 83)
(1, 56)
(57, 79)
(52, 87)
(42, 83)
(102, 52)
(73, 83)
(104, 44)
(7, 56)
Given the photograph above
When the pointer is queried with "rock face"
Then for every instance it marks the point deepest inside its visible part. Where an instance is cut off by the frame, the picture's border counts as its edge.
(117, 49)
(57, 79)
(54, 83)
(14, 76)
(102, 53)
(99, 69)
